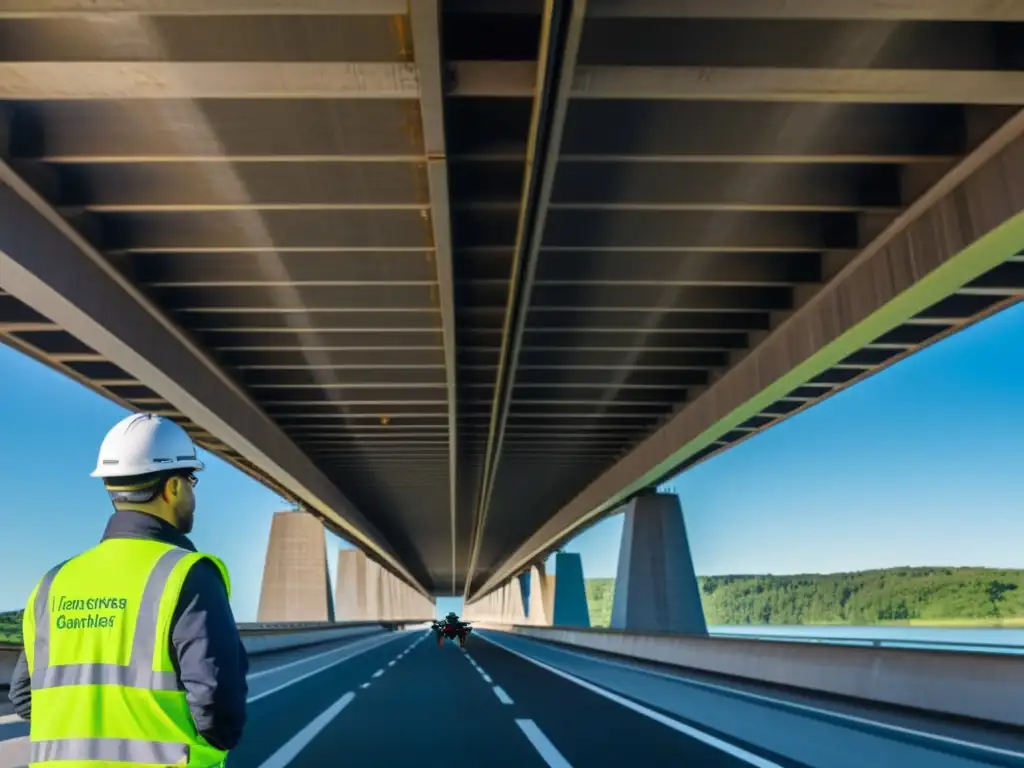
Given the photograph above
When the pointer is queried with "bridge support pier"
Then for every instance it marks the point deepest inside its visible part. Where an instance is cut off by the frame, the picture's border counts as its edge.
(502, 606)
(351, 593)
(296, 583)
(655, 586)
(538, 600)
(366, 592)
(569, 607)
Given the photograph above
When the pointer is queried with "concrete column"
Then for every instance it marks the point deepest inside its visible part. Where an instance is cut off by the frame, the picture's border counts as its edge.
(350, 594)
(296, 582)
(548, 584)
(387, 595)
(374, 603)
(570, 601)
(536, 608)
(515, 610)
(404, 598)
(655, 586)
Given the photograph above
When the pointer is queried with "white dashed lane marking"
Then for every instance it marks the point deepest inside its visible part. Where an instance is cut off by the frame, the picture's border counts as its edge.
(542, 744)
(378, 673)
(503, 697)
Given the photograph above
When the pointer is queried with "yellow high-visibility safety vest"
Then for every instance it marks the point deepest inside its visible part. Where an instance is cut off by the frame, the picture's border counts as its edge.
(97, 643)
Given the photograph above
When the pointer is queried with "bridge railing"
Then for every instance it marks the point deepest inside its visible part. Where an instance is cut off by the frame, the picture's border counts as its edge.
(970, 684)
(881, 642)
(262, 637)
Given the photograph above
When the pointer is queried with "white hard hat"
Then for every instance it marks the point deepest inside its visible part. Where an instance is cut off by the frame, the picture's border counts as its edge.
(143, 443)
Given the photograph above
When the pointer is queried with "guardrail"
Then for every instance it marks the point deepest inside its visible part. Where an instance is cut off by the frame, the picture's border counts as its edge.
(261, 637)
(978, 686)
(880, 642)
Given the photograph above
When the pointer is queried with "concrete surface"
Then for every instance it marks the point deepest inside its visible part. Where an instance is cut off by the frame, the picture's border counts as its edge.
(655, 584)
(296, 583)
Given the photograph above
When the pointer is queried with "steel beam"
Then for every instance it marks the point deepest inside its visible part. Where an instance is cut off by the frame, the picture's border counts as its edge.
(43, 9)
(560, 41)
(50, 267)
(514, 79)
(820, 10)
(57, 81)
(969, 222)
(425, 19)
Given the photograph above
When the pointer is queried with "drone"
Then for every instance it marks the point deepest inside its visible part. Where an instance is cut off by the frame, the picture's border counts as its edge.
(450, 627)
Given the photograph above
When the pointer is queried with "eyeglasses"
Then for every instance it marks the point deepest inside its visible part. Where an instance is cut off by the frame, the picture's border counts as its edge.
(193, 480)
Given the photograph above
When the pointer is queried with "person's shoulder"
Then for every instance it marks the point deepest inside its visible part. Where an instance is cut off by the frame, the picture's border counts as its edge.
(206, 565)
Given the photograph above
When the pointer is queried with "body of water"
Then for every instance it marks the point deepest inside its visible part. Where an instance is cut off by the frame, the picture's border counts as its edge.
(985, 639)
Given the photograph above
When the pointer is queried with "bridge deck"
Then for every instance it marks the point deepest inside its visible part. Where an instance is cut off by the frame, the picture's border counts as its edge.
(398, 699)
(468, 262)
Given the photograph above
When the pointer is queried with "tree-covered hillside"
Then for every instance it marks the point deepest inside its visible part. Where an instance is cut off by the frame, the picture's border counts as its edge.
(10, 627)
(894, 595)
(950, 596)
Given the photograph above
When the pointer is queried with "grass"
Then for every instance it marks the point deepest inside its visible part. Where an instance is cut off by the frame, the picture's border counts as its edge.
(10, 627)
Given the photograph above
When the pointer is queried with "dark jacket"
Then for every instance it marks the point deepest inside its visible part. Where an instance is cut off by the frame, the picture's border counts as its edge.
(207, 651)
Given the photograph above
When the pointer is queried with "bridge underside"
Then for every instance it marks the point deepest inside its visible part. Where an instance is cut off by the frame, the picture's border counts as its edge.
(469, 261)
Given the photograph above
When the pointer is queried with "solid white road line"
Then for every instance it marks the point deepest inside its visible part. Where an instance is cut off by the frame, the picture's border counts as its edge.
(304, 660)
(826, 714)
(503, 697)
(723, 746)
(542, 744)
(318, 670)
(378, 673)
(300, 740)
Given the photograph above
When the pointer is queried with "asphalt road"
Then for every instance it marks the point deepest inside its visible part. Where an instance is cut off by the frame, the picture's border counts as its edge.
(398, 699)
(786, 729)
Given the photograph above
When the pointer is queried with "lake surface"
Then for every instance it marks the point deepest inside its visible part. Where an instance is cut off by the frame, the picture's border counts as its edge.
(985, 639)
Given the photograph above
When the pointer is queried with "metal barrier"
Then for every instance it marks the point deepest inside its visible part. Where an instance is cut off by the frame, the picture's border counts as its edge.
(261, 637)
(979, 686)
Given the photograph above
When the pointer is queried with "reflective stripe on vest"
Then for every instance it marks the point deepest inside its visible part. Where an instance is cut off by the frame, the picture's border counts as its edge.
(109, 750)
(138, 673)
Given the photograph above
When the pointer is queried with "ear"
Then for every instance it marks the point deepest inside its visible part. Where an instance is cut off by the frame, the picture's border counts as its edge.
(172, 488)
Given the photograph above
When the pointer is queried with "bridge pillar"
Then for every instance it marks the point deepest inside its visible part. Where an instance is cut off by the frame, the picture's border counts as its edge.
(524, 591)
(570, 599)
(296, 583)
(350, 594)
(655, 586)
(512, 609)
(374, 585)
(548, 591)
(537, 612)
(387, 595)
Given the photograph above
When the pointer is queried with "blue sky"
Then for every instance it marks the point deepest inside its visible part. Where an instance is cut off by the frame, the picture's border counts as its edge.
(920, 465)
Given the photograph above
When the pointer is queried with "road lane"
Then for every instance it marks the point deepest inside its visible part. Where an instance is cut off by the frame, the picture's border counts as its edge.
(273, 720)
(590, 730)
(805, 737)
(430, 704)
(283, 694)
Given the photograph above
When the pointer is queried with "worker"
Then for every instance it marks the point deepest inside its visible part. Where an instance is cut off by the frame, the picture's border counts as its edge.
(132, 654)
